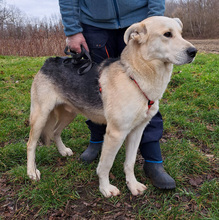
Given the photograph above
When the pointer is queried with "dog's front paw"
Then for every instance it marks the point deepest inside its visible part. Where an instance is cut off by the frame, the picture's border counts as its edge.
(109, 191)
(66, 152)
(34, 175)
(136, 188)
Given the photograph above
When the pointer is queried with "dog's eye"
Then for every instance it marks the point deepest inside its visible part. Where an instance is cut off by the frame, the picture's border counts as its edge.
(168, 34)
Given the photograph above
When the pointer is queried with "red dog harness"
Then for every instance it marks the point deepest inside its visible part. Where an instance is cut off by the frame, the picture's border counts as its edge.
(150, 103)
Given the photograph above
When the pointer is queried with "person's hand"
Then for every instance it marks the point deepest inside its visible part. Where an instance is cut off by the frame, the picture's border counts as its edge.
(75, 41)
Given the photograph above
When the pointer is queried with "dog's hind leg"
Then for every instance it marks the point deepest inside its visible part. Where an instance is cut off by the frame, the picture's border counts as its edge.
(132, 144)
(64, 118)
(38, 119)
(47, 133)
(112, 142)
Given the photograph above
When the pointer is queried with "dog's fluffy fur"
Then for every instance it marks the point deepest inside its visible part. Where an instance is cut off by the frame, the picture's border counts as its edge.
(58, 94)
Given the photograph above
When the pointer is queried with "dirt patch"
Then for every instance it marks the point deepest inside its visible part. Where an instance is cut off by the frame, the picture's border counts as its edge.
(207, 45)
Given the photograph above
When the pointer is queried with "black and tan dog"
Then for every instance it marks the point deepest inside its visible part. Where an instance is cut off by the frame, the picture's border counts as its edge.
(130, 85)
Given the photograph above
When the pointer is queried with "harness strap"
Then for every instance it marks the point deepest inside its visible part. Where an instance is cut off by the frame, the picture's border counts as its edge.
(150, 103)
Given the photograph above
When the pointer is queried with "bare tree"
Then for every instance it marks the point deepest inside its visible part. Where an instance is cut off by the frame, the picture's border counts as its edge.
(11, 18)
(200, 17)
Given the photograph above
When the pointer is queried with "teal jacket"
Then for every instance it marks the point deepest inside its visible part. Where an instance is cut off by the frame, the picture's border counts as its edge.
(108, 14)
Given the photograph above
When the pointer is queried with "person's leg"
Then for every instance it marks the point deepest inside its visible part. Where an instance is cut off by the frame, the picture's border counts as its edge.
(101, 46)
(149, 146)
(150, 150)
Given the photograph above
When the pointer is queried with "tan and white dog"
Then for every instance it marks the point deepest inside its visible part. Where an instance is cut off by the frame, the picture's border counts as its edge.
(130, 85)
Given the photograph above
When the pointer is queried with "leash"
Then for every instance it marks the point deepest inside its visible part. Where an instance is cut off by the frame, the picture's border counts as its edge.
(83, 59)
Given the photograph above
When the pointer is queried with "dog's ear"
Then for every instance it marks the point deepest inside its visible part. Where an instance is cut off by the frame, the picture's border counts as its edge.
(179, 22)
(136, 32)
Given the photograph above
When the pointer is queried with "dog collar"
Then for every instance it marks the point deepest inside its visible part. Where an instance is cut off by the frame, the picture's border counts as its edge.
(150, 103)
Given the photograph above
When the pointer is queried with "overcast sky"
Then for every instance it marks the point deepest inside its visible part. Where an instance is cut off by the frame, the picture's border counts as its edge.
(36, 8)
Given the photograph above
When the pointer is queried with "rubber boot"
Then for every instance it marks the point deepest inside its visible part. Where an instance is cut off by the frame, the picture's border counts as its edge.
(158, 176)
(92, 152)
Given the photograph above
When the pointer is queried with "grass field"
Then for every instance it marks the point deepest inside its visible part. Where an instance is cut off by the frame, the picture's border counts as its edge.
(68, 189)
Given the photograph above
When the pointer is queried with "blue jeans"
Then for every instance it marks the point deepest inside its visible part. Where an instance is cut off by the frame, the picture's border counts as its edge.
(104, 43)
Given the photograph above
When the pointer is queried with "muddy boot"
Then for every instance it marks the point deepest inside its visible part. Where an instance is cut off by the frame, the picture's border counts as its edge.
(92, 152)
(158, 176)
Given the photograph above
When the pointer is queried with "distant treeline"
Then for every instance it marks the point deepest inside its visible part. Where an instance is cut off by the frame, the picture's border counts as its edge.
(19, 35)
(200, 17)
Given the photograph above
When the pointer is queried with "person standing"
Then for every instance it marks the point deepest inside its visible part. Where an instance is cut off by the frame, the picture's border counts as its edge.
(99, 26)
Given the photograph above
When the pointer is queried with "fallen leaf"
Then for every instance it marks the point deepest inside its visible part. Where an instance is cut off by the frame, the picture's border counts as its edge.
(112, 176)
(209, 155)
(196, 181)
(210, 128)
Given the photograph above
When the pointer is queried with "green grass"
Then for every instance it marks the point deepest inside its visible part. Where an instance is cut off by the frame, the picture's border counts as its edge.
(70, 188)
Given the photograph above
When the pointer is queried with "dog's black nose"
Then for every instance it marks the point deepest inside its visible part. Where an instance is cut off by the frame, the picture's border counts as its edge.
(191, 51)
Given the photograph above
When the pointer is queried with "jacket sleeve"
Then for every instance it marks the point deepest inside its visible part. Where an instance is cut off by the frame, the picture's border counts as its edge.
(156, 7)
(69, 10)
